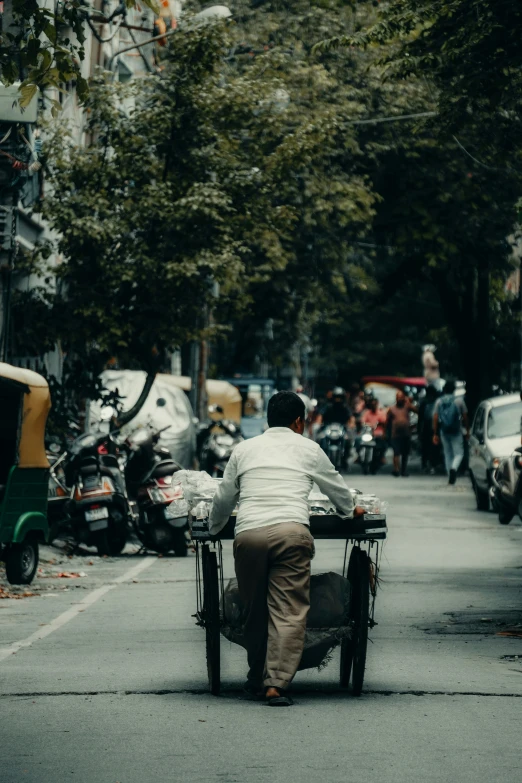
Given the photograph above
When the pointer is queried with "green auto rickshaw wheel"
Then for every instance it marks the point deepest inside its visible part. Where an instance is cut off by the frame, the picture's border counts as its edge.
(21, 562)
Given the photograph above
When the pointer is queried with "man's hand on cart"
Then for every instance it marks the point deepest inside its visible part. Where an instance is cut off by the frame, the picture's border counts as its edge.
(357, 512)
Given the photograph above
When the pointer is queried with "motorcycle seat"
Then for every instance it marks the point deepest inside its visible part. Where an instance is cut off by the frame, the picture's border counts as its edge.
(89, 469)
(164, 468)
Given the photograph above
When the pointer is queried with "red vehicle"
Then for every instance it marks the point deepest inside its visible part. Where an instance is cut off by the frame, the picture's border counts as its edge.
(385, 387)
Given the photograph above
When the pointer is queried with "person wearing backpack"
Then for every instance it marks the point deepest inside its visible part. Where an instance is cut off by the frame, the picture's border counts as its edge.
(449, 416)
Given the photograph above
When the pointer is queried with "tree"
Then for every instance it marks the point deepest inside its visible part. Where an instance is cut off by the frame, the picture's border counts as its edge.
(183, 187)
(469, 52)
(44, 48)
(317, 177)
(445, 212)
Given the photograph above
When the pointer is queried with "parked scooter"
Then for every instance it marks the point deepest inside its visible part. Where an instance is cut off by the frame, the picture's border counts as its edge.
(216, 441)
(507, 487)
(148, 473)
(98, 508)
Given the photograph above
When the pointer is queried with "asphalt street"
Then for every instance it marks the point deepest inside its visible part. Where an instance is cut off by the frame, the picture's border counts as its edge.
(103, 676)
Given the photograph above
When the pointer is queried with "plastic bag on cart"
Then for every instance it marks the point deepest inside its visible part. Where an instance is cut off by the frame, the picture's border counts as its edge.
(198, 489)
(178, 508)
(326, 623)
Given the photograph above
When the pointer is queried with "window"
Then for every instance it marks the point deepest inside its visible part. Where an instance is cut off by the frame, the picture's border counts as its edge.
(504, 421)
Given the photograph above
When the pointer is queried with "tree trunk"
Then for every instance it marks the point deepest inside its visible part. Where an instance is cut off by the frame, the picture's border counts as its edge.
(202, 411)
(483, 330)
(460, 312)
(126, 416)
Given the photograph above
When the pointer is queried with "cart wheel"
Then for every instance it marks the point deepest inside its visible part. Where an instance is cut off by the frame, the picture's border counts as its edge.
(346, 662)
(360, 612)
(21, 562)
(211, 617)
(347, 643)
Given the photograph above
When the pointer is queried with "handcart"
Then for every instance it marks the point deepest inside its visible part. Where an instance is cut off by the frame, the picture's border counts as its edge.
(362, 538)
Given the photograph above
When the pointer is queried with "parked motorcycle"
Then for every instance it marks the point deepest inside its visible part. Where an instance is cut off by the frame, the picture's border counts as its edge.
(98, 507)
(507, 487)
(148, 472)
(216, 442)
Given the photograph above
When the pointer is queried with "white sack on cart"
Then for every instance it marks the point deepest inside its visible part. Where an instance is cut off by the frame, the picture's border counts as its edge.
(198, 490)
(328, 616)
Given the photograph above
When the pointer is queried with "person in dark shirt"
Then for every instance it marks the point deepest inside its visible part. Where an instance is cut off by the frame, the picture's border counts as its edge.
(336, 411)
(430, 454)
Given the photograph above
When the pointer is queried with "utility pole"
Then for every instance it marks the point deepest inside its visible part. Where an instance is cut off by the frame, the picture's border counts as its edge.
(520, 295)
(483, 330)
(194, 375)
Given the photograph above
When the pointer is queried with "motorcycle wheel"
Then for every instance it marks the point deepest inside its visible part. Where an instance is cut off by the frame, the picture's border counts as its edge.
(481, 497)
(180, 545)
(505, 517)
(111, 541)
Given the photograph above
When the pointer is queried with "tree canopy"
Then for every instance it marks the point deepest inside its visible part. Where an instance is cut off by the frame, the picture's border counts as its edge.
(330, 193)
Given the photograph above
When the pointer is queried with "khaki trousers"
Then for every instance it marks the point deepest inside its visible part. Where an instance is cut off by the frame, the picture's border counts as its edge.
(273, 573)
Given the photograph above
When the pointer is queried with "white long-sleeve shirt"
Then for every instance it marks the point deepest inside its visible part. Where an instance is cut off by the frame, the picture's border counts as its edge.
(271, 476)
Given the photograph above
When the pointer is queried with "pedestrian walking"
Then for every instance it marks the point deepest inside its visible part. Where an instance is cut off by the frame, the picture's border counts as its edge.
(429, 452)
(271, 476)
(450, 416)
(399, 429)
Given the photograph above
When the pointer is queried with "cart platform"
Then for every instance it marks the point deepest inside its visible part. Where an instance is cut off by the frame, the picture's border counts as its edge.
(370, 527)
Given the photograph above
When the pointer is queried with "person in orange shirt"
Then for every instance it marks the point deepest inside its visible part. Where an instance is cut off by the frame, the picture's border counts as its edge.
(374, 417)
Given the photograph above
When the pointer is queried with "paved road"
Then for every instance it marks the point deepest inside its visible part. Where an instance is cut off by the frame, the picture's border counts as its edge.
(102, 676)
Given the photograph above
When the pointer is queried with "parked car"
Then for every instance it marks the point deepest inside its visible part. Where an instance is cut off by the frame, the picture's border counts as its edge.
(495, 435)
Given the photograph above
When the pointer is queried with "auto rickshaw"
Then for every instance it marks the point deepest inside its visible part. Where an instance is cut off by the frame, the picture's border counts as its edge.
(24, 470)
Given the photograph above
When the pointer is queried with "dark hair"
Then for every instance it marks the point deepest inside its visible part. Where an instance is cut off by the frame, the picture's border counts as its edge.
(449, 387)
(284, 408)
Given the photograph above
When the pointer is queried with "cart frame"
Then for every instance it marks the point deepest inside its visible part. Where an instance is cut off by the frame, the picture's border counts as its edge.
(360, 567)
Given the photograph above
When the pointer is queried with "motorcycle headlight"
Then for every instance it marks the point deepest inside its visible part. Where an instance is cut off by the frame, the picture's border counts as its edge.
(367, 438)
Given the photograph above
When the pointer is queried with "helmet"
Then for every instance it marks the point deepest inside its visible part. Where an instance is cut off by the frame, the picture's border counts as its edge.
(338, 392)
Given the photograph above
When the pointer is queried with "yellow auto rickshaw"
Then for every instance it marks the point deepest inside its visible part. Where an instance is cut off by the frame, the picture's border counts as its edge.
(24, 470)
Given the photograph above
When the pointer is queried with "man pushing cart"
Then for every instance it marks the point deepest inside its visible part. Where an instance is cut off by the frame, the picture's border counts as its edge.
(271, 477)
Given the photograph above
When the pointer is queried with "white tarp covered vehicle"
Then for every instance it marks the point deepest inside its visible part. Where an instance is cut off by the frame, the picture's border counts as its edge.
(166, 405)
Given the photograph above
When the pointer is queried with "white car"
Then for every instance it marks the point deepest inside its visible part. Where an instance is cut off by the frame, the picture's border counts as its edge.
(494, 435)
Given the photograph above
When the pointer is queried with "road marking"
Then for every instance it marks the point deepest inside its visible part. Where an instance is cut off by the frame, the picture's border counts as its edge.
(71, 613)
